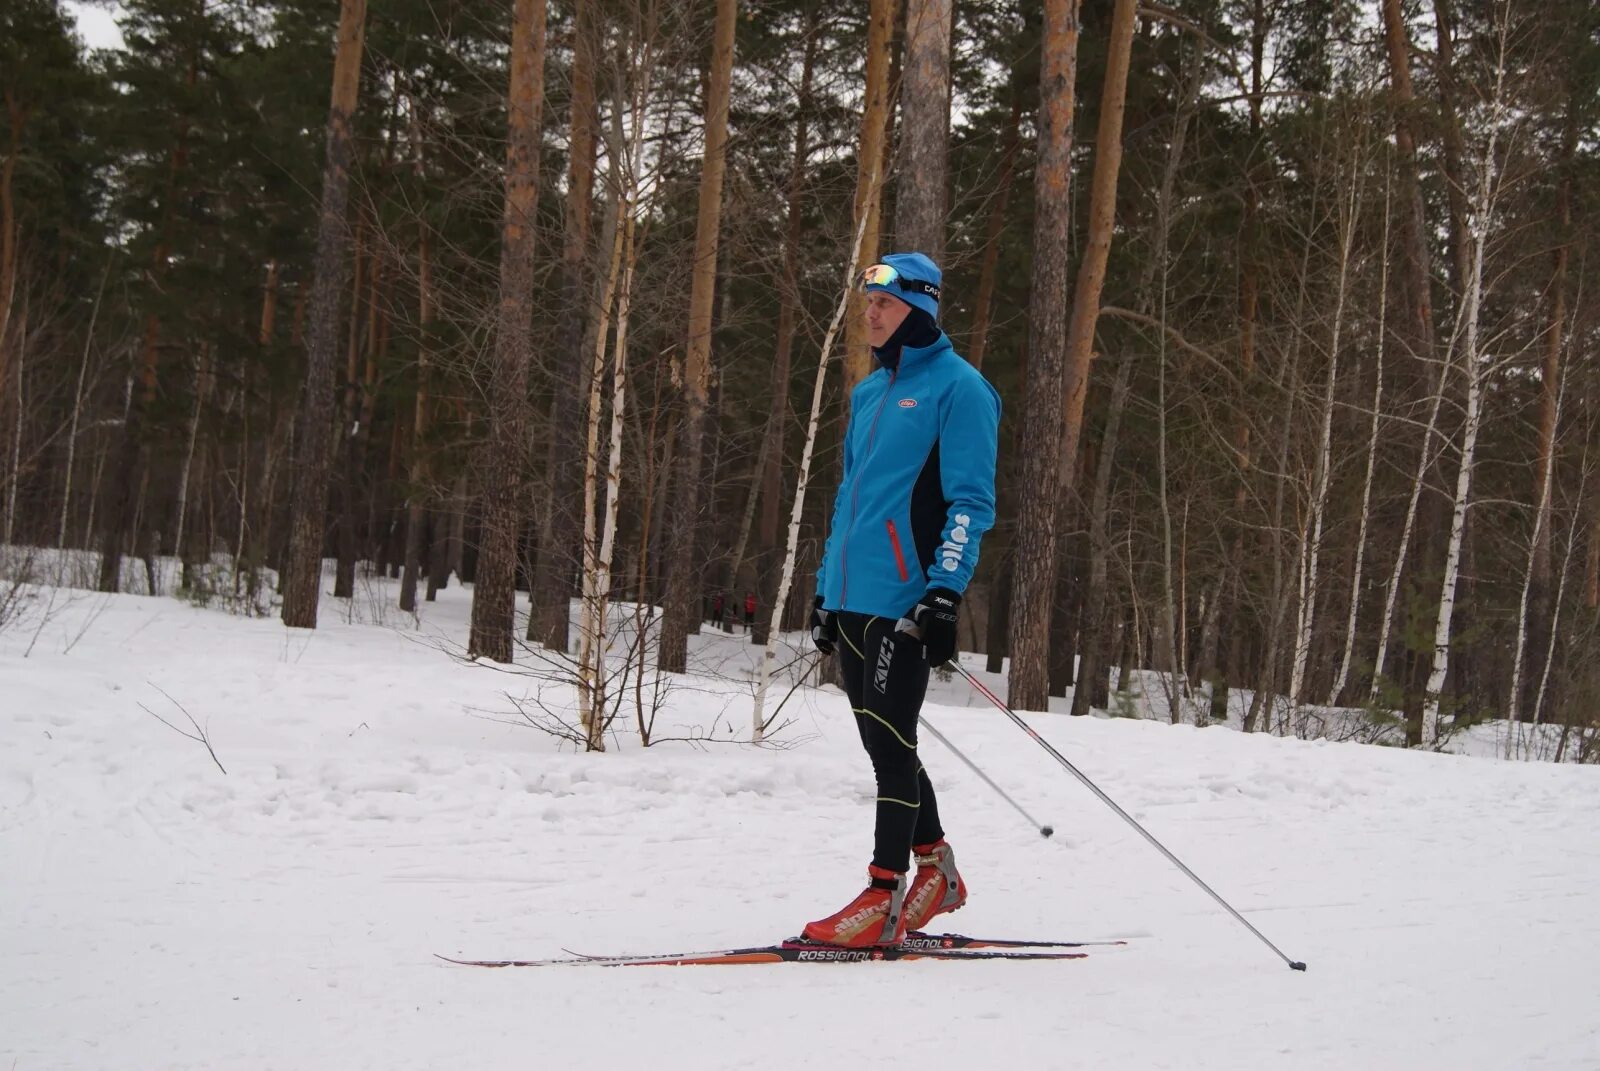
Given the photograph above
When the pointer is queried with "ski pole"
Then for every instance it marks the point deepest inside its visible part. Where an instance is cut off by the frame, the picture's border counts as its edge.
(1044, 831)
(1295, 965)
(907, 625)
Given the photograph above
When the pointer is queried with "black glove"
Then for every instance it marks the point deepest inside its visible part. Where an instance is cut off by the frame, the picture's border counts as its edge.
(824, 629)
(935, 618)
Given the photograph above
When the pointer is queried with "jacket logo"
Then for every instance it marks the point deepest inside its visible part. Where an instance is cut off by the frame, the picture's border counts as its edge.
(952, 549)
(908, 403)
(880, 678)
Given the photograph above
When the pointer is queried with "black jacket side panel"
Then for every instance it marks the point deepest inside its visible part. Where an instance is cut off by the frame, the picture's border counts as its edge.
(929, 510)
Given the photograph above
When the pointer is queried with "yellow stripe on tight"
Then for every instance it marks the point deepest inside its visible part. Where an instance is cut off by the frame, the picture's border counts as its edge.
(886, 725)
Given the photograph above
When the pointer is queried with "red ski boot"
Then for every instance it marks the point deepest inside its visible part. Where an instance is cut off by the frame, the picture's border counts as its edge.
(876, 917)
(937, 888)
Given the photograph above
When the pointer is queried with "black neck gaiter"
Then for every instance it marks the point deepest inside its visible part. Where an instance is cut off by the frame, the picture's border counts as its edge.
(917, 330)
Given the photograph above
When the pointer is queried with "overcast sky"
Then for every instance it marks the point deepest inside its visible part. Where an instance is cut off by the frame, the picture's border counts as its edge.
(97, 24)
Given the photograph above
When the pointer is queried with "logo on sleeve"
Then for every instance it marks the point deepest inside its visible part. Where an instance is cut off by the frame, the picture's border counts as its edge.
(955, 546)
(908, 403)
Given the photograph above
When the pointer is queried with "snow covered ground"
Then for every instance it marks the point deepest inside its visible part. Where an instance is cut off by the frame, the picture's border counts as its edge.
(384, 802)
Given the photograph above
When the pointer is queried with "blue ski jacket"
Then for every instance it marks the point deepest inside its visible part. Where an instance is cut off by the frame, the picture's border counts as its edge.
(918, 487)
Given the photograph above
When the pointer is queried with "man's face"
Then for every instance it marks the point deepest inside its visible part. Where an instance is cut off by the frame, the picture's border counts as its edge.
(885, 313)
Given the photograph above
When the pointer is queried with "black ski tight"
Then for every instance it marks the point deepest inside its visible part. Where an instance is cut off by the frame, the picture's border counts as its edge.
(886, 678)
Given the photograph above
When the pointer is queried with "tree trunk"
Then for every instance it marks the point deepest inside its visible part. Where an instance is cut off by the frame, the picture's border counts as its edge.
(77, 412)
(1085, 314)
(133, 452)
(1311, 556)
(552, 580)
(304, 568)
(16, 119)
(1036, 550)
(768, 564)
(14, 469)
(1542, 581)
(1093, 687)
(1372, 456)
(1455, 180)
(202, 391)
(1249, 308)
(504, 461)
(867, 209)
(1482, 218)
(417, 495)
(681, 614)
(1418, 320)
(983, 301)
(922, 196)
(852, 268)
(1102, 215)
(344, 573)
(592, 632)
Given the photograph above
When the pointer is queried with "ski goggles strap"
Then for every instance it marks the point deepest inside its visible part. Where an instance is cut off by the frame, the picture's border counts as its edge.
(887, 275)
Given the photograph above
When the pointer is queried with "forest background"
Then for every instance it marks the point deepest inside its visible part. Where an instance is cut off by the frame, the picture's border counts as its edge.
(1287, 303)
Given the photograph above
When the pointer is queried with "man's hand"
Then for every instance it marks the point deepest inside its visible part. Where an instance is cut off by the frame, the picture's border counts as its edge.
(935, 618)
(824, 629)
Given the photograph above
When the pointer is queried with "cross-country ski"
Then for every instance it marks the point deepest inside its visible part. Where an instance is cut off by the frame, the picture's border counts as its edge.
(945, 946)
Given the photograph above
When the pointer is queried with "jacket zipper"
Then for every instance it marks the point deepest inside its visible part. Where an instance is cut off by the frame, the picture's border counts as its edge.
(855, 494)
(899, 558)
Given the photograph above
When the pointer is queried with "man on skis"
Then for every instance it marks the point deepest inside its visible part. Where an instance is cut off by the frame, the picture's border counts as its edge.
(917, 494)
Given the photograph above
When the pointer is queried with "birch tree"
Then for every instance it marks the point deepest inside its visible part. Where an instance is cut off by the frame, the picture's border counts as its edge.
(594, 637)
(1481, 222)
(1346, 217)
(548, 614)
(1343, 673)
(759, 723)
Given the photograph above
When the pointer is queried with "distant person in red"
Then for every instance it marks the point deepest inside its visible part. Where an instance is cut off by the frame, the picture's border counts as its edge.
(716, 609)
(749, 609)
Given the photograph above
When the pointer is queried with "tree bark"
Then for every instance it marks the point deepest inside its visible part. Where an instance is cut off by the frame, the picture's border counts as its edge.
(1372, 457)
(681, 613)
(1483, 207)
(592, 631)
(1097, 250)
(1311, 548)
(922, 194)
(983, 301)
(1543, 582)
(344, 572)
(1414, 227)
(16, 120)
(1093, 688)
(304, 568)
(504, 461)
(870, 158)
(417, 495)
(1455, 180)
(549, 615)
(1036, 550)
(768, 564)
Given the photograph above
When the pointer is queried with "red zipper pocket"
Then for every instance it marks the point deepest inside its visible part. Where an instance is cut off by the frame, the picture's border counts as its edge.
(899, 558)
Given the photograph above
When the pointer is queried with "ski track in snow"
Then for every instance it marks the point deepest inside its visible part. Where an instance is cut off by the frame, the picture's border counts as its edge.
(381, 804)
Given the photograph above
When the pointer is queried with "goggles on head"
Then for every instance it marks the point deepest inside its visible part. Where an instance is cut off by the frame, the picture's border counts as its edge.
(885, 275)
